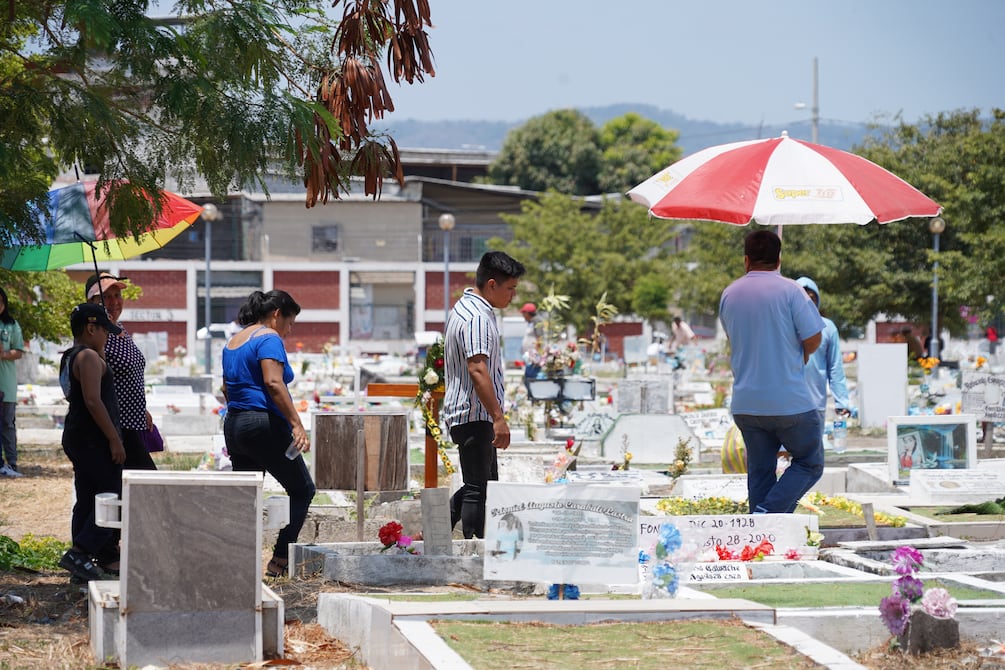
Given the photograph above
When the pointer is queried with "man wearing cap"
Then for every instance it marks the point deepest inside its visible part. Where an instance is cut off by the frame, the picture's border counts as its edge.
(91, 440)
(531, 341)
(127, 364)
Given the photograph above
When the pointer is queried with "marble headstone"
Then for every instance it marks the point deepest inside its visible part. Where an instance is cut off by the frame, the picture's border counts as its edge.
(191, 568)
(651, 438)
(645, 395)
(882, 382)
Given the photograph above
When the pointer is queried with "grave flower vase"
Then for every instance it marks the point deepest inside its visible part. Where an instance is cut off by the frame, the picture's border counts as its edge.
(925, 633)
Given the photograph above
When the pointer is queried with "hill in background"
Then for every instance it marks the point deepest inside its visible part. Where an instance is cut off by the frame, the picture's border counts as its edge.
(694, 134)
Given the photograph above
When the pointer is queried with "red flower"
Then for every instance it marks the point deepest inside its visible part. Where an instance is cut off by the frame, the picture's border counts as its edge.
(748, 553)
(570, 443)
(389, 533)
(724, 553)
(765, 548)
(439, 362)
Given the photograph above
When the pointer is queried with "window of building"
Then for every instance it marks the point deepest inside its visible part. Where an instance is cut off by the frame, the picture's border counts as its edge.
(325, 238)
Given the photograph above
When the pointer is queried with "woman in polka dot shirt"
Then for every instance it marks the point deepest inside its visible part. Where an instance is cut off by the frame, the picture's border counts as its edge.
(127, 364)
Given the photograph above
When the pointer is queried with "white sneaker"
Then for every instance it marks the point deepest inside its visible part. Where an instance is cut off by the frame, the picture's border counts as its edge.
(7, 471)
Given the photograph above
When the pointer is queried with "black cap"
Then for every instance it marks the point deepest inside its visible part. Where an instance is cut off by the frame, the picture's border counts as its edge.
(86, 313)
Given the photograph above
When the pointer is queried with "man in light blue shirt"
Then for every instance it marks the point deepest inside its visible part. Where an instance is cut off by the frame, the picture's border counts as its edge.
(825, 367)
(773, 328)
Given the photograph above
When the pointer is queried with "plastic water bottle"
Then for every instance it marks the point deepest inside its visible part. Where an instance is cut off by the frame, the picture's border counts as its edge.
(293, 450)
(840, 435)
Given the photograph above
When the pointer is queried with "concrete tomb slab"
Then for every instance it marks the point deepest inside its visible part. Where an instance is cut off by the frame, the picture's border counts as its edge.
(191, 565)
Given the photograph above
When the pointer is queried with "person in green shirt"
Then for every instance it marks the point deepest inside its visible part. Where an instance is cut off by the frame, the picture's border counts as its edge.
(11, 349)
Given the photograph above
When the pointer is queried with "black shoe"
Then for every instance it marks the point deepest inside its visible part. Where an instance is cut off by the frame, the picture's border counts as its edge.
(80, 566)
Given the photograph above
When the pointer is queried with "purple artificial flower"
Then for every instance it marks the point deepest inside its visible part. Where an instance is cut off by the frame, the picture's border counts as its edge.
(939, 603)
(909, 588)
(404, 541)
(895, 611)
(906, 560)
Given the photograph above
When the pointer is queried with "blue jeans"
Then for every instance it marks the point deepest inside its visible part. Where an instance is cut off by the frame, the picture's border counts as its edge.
(763, 436)
(257, 442)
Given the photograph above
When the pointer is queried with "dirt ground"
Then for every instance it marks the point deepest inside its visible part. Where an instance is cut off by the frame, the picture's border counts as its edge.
(50, 629)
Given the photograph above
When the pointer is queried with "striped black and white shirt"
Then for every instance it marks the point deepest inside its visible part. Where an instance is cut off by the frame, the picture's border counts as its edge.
(471, 330)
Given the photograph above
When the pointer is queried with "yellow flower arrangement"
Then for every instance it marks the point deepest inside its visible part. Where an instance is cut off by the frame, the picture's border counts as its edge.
(928, 363)
(851, 507)
(431, 378)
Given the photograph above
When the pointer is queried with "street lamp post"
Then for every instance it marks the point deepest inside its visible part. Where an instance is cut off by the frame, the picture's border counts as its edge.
(210, 213)
(446, 222)
(936, 226)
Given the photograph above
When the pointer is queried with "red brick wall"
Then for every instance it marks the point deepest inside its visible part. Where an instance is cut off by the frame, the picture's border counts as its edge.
(434, 288)
(616, 334)
(311, 290)
(312, 336)
(161, 290)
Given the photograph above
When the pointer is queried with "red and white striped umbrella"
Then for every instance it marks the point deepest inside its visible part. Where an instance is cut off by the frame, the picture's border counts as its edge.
(780, 181)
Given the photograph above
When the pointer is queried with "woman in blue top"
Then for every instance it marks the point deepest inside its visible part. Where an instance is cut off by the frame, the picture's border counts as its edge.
(261, 421)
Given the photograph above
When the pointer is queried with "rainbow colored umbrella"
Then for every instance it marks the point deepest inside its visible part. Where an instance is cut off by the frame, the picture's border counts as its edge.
(77, 231)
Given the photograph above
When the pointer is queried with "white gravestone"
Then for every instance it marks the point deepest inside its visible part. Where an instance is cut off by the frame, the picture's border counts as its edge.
(562, 533)
(957, 487)
(651, 438)
(696, 487)
(882, 382)
(734, 531)
(645, 395)
(983, 395)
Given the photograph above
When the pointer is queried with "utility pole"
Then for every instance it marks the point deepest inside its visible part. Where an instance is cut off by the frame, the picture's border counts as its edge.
(815, 133)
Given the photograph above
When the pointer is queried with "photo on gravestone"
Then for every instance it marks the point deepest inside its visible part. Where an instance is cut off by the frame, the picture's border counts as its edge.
(562, 533)
(936, 442)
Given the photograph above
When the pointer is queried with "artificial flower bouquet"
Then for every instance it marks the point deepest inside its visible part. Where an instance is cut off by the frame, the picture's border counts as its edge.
(391, 536)
(909, 591)
(667, 564)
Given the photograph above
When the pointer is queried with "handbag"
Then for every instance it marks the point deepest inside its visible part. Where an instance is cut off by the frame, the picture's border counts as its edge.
(152, 439)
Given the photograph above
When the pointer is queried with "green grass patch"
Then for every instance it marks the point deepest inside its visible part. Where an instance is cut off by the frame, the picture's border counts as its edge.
(697, 645)
(834, 594)
(939, 514)
(177, 460)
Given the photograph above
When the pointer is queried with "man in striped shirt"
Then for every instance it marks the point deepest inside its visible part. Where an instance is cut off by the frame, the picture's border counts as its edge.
(473, 403)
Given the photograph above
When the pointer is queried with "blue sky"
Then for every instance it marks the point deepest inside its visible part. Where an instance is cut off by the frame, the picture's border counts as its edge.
(718, 60)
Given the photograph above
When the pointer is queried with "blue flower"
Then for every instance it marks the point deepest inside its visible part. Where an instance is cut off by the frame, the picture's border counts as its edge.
(670, 537)
(665, 576)
(643, 557)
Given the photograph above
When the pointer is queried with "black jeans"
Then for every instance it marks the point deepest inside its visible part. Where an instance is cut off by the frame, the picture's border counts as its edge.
(257, 442)
(479, 466)
(93, 473)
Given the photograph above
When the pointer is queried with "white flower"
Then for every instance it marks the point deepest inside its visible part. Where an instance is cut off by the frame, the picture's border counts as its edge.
(938, 603)
(431, 378)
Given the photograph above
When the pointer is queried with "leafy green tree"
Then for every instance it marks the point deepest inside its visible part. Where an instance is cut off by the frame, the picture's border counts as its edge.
(564, 151)
(555, 151)
(41, 302)
(225, 90)
(584, 255)
(650, 297)
(634, 149)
